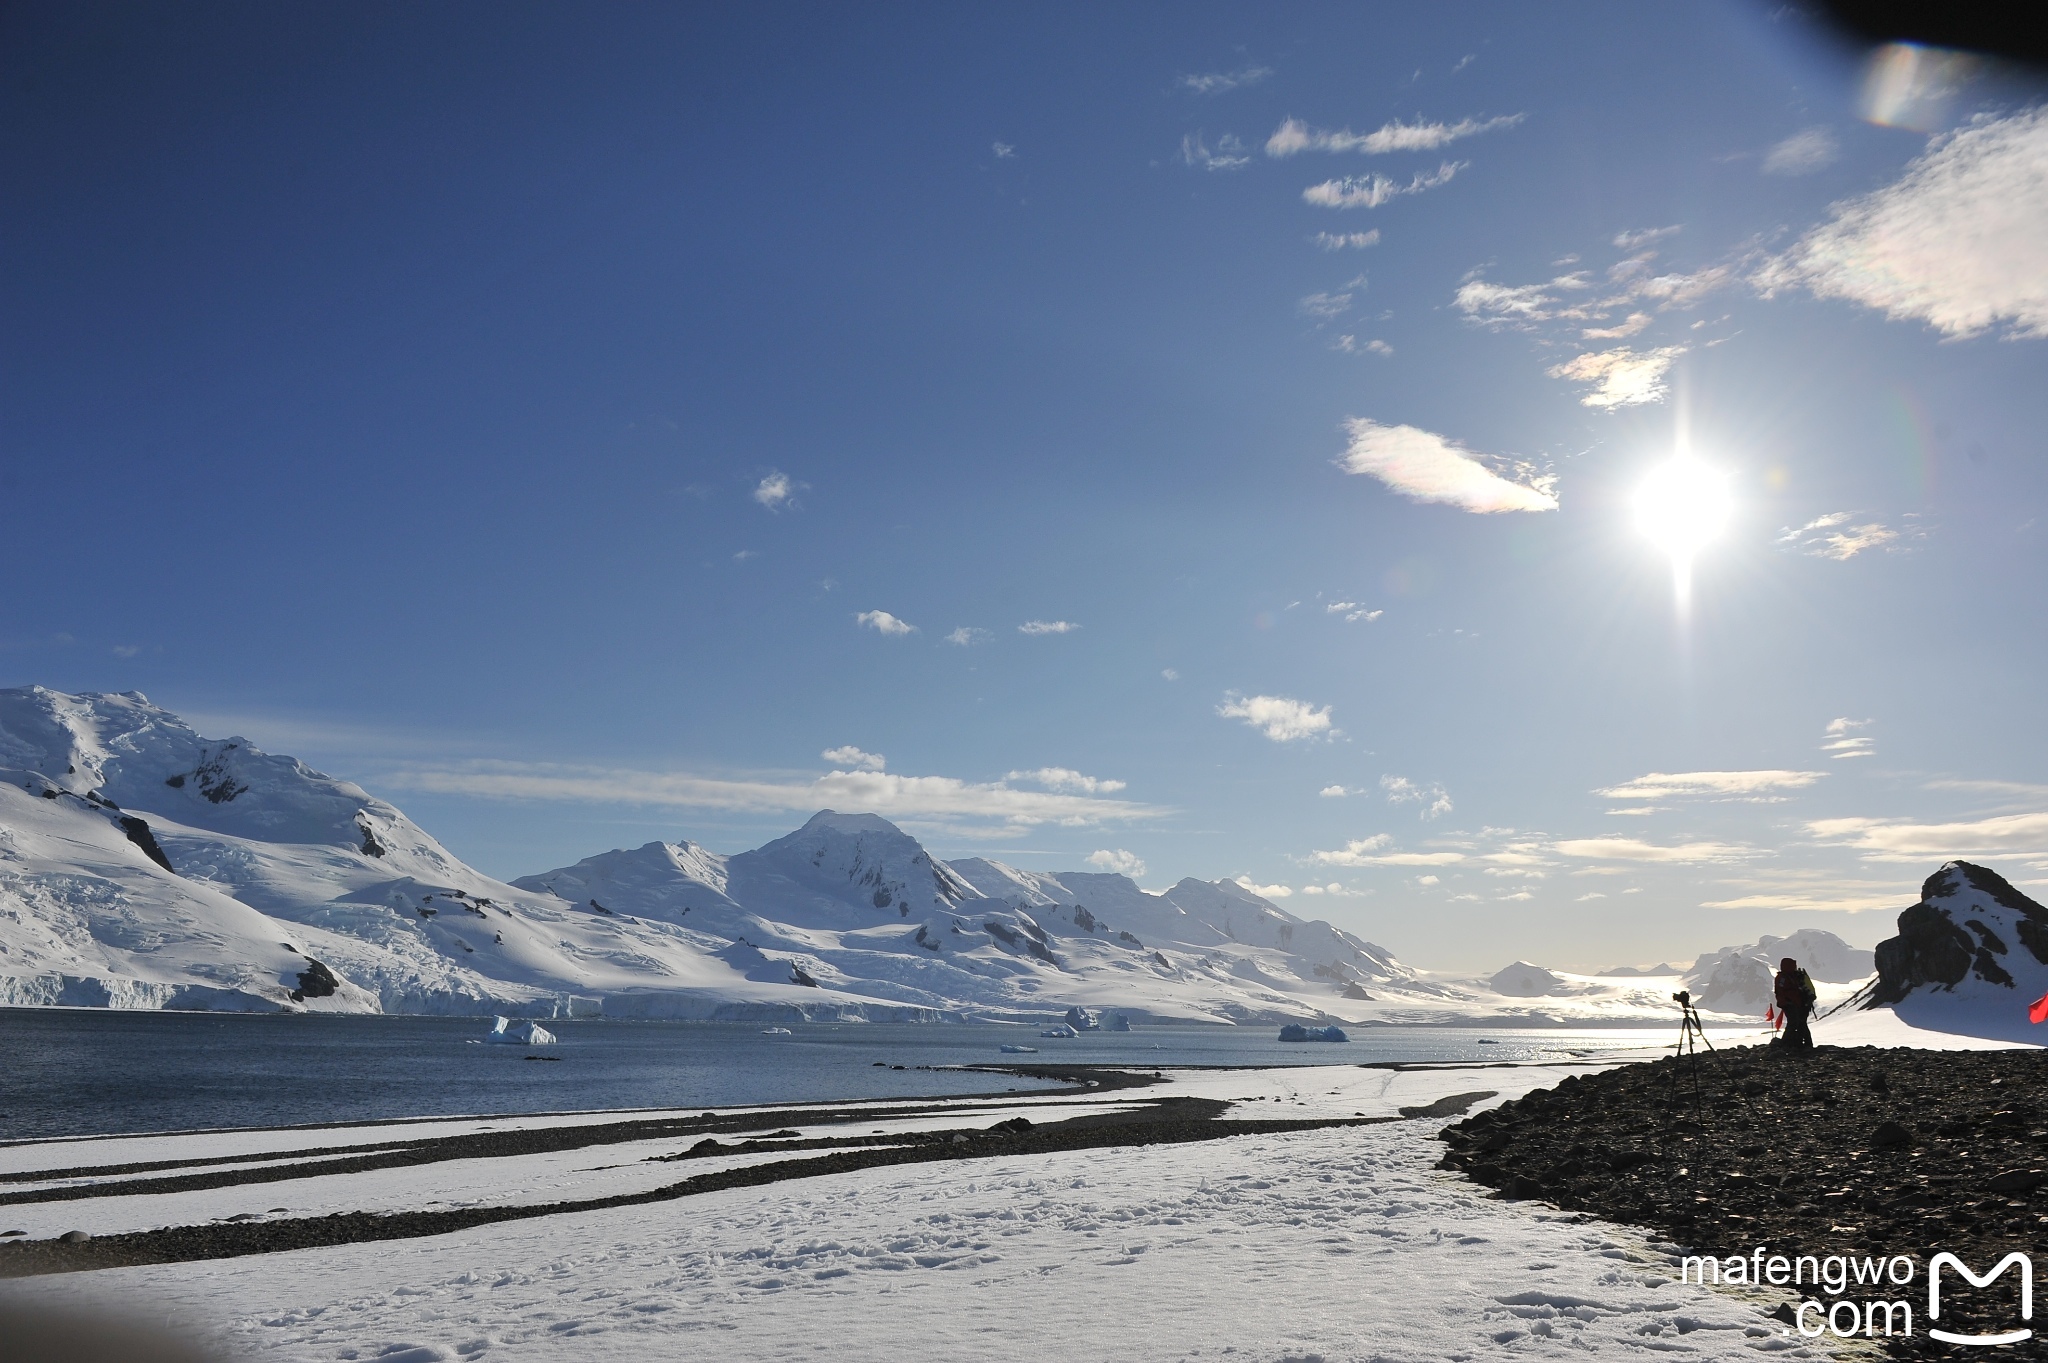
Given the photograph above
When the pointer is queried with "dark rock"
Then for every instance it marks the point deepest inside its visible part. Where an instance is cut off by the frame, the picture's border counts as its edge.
(2016, 1181)
(797, 976)
(139, 834)
(1890, 1136)
(316, 981)
(74, 1237)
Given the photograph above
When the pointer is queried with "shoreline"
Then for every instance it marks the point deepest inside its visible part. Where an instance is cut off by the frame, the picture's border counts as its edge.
(1842, 1152)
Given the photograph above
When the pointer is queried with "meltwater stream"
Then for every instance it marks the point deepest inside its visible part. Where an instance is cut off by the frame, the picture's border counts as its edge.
(66, 1072)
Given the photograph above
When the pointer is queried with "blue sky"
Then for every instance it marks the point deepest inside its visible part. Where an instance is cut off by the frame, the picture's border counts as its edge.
(1192, 437)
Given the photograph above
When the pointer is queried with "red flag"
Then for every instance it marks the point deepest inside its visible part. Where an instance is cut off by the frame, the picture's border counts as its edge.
(1769, 1016)
(2039, 1012)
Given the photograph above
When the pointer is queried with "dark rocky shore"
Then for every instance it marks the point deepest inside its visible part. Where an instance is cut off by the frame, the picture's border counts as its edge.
(1861, 1152)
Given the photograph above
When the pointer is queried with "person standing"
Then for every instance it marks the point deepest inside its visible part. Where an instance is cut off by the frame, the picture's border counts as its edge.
(1796, 995)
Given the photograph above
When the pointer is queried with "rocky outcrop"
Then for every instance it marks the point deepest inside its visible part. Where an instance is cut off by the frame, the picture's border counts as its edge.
(1961, 937)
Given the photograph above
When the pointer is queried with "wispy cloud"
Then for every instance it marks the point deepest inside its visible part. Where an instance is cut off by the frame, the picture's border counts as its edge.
(775, 490)
(1352, 611)
(1351, 345)
(1370, 191)
(1066, 778)
(1433, 798)
(1294, 136)
(1003, 150)
(881, 622)
(1264, 891)
(1117, 862)
(1647, 236)
(1631, 849)
(875, 791)
(1372, 852)
(1047, 627)
(1843, 740)
(1905, 840)
(853, 759)
(1802, 153)
(1278, 717)
(1324, 305)
(1432, 468)
(1621, 377)
(1334, 792)
(966, 636)
(1956, 242)
(1484, 301)
(1228, 155)
(1217, 82)
(1833, 536)
(1725, 785)
(1346, 241)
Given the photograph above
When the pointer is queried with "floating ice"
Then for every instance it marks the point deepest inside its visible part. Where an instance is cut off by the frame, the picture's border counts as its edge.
(506, 1032)
(1294, 1031)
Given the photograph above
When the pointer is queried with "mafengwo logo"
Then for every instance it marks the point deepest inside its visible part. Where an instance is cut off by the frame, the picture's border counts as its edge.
(1884, 1306)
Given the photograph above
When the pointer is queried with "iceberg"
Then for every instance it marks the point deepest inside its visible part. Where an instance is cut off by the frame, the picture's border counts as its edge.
(1294, 1031)
(776, 1031)
(1020, 1050)
(506, 1032)
(1060, 1031)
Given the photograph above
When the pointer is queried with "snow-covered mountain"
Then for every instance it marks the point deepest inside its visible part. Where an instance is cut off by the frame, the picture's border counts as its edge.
(1969, 957)
(143, 865)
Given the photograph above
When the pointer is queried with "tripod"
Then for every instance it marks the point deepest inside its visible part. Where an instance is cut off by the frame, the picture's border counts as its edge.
(1690, 1035)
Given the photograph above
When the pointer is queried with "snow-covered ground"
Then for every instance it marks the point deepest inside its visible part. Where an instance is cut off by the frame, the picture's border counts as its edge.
(1338, 1244)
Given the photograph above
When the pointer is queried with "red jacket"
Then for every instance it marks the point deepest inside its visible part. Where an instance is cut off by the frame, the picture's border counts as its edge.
(1795, 991)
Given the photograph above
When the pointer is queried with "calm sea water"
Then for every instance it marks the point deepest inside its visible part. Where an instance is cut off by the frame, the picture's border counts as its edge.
(76, 1072)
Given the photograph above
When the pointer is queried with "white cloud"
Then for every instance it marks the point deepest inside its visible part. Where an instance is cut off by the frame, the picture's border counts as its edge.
(854, 759)
(1430, 468)
(1264, 891)
(1229, 153)
(1956, 242)
(1366, 852)
(1660, 785)
(1216, 82)
(1902, 840)
(1832, 536)
(1435, 801)
(1325, 305)
(880, 792)
(1621, 377)
(1820, 901)
(1635, 241)
(1370, 191)
(1844, 741)
(1003, 150)
(1493, 304)
(1630, 849)
(1169, 673)
(967, 635)
(1379, 347)
(1065, 778)
(1277, 717)
(774, 491)
(1294, 136)
(1340, 241)
(884, 623)
(1627, 327)
(1802, 153)
(1352, 612)
(1118, 862)
(1047, 627)
(1333, 792)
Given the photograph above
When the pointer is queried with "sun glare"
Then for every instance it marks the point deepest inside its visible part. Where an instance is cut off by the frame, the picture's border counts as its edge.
(1682, 507)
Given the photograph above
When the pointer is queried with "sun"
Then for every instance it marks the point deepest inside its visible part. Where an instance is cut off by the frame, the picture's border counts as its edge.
(1682, 507)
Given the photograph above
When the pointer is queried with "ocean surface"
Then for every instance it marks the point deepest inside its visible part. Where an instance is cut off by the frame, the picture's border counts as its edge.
(68, 1072)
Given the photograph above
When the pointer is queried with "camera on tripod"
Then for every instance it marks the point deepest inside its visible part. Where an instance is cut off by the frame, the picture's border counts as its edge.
(1683, 998)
